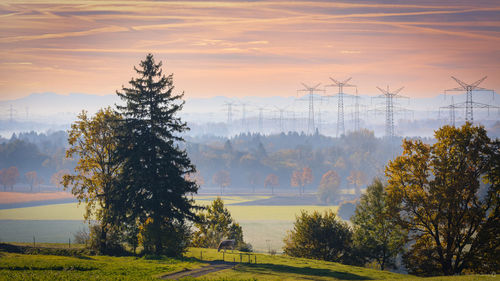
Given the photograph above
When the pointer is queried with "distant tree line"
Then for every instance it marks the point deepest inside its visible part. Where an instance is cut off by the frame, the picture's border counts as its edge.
(291, 163)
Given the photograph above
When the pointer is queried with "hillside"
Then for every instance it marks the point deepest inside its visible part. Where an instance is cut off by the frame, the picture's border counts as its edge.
(16, 266)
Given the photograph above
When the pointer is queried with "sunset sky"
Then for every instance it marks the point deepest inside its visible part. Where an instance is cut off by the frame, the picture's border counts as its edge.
(255, 48)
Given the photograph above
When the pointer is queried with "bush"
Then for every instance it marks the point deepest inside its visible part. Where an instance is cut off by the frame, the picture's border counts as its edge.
(319, 236)
(82, 236)
(113, 241)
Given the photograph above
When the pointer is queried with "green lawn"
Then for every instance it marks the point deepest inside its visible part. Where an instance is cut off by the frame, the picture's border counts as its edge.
(48, 267)
(262, 267)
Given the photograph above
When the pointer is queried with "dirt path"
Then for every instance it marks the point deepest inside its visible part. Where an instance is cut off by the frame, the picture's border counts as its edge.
(213, 267)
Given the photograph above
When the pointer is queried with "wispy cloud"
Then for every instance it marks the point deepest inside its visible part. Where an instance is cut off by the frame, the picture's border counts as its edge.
(47, 41)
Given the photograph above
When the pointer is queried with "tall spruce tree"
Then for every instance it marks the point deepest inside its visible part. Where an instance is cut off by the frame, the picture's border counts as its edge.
(155, 188)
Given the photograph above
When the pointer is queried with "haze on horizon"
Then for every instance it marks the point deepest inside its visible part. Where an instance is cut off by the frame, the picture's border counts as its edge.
(239, 48)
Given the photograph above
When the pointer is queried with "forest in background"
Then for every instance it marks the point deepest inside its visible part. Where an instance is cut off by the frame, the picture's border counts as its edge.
(245, 163)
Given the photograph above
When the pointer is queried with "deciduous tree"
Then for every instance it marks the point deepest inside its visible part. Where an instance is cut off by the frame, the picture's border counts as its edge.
(328, 187)
(58, 177)
(215, 224)
(376, 236)
(9, 177)
(272, 181)
(32, 179)
(222, 179)
(447, 195)
(358, 179)
(319, 236)
(93, 141)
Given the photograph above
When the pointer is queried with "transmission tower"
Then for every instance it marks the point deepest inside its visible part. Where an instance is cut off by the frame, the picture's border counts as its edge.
(451, 108)
(281, 118)
(310, 120)
(389, 109)
(340, 109)
(229, 112)
(244, 123)
(11, 113)
(469, 105)
(261, 119)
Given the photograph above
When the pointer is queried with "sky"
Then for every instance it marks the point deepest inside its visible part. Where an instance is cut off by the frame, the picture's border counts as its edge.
(248, 48)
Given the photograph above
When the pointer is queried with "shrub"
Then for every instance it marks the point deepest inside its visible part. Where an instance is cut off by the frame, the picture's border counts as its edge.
(319, 236)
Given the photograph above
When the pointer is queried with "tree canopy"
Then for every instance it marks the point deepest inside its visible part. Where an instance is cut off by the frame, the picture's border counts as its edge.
(319, 236)
(93, 141)
(376, 236)
(215, 224)
(447, 196)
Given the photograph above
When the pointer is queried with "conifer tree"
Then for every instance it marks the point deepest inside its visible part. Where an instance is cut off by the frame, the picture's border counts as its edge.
(154, 183)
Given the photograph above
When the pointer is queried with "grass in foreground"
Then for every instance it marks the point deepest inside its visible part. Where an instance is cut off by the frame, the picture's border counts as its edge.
(49, 267)
(281, 267)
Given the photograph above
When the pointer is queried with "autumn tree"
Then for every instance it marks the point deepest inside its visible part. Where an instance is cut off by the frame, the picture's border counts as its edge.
(154, 190)
(376, 236)
(307, 177)
(447, 195)
(272, 181)
(319, 236)
(296, 180)
(328, 187)
(32, 179)
(358, 179)
(300, 178)
(9, 177)
(254, 179)
(222, 179)
(214, 225)
(57, 178)
(93, 140)
(196, 177)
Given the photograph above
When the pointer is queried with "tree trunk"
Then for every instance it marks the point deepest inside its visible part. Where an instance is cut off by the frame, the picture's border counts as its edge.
(102, 240)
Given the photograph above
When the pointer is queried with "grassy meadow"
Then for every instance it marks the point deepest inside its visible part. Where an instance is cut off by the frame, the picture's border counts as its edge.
(264, 226)
(262, 267)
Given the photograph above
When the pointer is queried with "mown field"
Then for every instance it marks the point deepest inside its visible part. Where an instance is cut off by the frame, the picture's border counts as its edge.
(50, 267)
(264, 226)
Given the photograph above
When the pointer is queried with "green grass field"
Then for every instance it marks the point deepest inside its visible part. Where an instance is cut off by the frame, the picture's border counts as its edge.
(263, 267)
(48, 267)
(263, 226)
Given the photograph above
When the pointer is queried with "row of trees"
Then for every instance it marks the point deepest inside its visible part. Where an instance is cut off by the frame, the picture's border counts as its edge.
(440, 210)
(249, 159)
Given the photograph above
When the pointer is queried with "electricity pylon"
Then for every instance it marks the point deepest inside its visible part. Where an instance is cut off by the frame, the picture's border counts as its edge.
(11, 113)
(451, 108)
(261, 119)
(389, 108)
(469, 105)
(340, 109)
(244, 123)
(229, 112)
(311, 127)
(281, 118)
